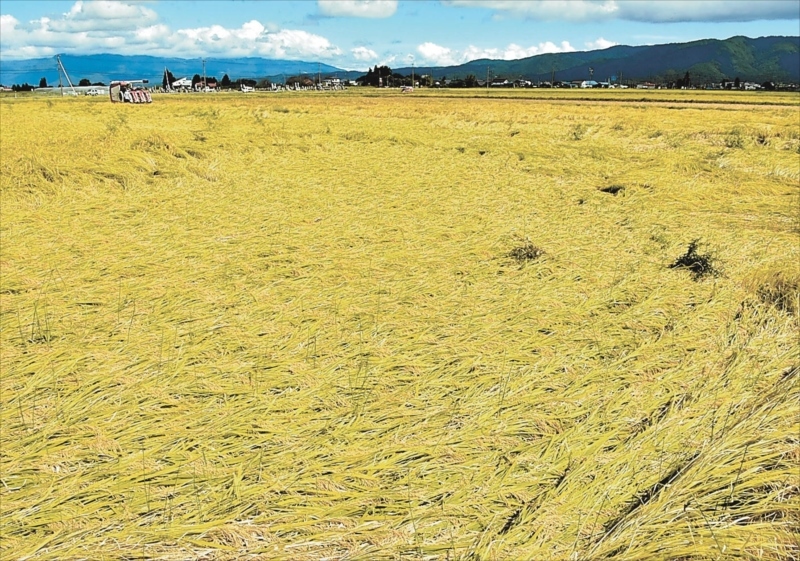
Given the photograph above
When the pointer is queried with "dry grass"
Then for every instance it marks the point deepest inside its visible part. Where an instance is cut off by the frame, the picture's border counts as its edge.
(292, 327)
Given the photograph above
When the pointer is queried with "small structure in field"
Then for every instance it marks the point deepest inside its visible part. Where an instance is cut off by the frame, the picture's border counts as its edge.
(129, 91)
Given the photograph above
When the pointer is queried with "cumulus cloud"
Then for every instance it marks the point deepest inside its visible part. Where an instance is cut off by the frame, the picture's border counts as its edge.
(388, 61)
(42, 38)
(444, 56)
(437, 54)
(251, 39)
(103, 15)
(571, 10)
(653, 11)
(8, 24)
(600, 43)
(667, 11)
(358, 8)
(150, 34)
(363, 54)
(91, 27)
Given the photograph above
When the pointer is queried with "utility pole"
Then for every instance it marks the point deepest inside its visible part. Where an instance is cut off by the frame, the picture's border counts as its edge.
(64, 70)
(204, 75)
(487, 77)
(319, 76)
(412, 74)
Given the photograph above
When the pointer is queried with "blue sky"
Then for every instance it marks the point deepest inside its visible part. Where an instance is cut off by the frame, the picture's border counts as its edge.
(355, 34)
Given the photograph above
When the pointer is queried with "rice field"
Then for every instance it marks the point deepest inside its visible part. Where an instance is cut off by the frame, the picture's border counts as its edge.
(373, 326)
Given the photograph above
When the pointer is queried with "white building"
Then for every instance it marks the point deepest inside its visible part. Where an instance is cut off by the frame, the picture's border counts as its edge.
(182, 83)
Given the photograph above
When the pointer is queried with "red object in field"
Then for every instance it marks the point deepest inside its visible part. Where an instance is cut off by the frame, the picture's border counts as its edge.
(129, 91)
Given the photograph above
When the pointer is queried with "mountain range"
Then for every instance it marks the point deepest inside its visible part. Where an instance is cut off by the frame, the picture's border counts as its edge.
(107, 67)
(708, 60)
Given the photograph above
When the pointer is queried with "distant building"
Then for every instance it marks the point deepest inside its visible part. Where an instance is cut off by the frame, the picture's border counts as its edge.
(182, 83)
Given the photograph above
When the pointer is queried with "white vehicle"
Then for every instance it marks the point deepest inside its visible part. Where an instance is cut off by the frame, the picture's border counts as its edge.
(96, 91)
(247, 89)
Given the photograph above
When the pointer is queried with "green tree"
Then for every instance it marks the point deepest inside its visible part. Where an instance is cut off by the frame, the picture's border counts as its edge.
(168, 78)
(377, 76)
(43, 83)
(470, 81)
(226, 82)
(301, 80)
(84, 82)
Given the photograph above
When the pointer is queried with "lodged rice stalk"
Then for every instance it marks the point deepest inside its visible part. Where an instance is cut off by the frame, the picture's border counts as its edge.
(367, 326)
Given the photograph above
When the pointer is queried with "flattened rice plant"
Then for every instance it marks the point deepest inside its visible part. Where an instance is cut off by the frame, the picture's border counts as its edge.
(225, 337)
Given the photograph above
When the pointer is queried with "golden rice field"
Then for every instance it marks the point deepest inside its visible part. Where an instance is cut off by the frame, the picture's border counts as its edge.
(369, 326)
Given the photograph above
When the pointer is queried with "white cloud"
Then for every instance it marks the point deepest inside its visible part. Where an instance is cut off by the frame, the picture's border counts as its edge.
(363, 54)
(599, 44)
(444, 56)
(388, 61)
(8, 24)
(252, 30)
(652, 11)
(438, 55)
(104, 15)
(666, 11)
(358, 8)
(91, 27)
(150, 34)
(570, 10)
(290, 43)
(251, 39)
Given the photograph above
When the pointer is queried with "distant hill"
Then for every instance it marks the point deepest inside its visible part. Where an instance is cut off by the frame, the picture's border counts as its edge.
(107, 67)
(709, 60)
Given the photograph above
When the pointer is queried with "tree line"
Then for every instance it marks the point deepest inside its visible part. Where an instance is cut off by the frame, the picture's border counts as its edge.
(26, 87)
